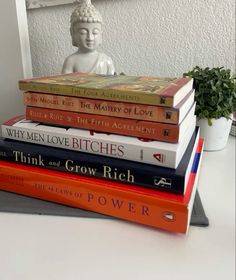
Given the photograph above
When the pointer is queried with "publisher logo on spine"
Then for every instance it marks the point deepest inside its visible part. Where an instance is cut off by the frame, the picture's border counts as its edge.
(159, 157)
(162, 100)
(168, 216)
(162, 182)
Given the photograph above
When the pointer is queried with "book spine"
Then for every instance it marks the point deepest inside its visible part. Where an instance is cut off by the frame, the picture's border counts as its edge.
(95, 195)
(91, 165)
(142, 129)
(104, 94)
(92, 143)
(102, 107)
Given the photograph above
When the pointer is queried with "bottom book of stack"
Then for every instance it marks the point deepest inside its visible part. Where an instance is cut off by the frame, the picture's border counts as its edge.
(138, 204)
(16, 203)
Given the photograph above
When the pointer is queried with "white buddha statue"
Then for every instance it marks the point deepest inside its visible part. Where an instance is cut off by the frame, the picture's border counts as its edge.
(86, 33)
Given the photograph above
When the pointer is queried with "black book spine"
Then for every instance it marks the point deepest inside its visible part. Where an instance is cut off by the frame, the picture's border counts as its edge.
(171, 180)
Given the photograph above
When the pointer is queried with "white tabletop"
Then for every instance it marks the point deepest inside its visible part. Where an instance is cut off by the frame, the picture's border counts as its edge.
(46, 247)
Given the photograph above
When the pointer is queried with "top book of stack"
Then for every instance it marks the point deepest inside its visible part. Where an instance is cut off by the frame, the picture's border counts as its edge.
(162, 91)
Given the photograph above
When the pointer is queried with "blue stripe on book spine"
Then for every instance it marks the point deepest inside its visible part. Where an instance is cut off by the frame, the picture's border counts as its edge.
(195, 162)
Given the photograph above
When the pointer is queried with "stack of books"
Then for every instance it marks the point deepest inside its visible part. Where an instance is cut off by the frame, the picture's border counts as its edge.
(124, 146)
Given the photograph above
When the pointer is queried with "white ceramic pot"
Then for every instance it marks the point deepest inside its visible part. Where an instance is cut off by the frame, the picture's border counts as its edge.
(216, 136)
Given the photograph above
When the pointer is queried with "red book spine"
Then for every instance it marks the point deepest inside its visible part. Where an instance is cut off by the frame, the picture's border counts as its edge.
(154, 208)
(136, 204)
(102, 107)
(142, 129)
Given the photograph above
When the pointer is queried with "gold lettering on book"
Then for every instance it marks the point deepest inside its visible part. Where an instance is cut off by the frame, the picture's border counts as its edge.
(113, 174)
(92, 121)
(54, 163)
(35, 114)
(55, 117)
(70, 166)
(28, 158)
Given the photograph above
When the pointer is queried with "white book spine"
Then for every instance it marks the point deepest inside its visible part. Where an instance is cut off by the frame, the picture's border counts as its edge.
(117, 146)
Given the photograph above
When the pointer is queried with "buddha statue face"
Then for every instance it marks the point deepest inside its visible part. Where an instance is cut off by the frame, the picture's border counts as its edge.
(86, 32)
(87, 36)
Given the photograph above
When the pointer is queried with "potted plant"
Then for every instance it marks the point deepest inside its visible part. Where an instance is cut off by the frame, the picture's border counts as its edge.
(215, 96)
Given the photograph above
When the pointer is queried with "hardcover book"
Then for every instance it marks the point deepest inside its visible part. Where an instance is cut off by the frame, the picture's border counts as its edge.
(143, 129)
(116, 146)
(173, 115)
(162, 210)
(129, 172)
(163, 91)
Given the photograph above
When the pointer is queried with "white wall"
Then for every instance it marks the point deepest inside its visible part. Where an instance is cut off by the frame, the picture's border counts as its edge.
(15, 61)
(149, 37)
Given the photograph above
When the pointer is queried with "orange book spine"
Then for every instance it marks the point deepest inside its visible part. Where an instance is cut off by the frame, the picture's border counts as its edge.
(100, 196)
(133, 203)
(102, 107)
(122, 126)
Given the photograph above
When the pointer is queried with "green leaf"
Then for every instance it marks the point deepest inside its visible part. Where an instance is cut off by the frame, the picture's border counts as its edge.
(215, 91)
(209, 122)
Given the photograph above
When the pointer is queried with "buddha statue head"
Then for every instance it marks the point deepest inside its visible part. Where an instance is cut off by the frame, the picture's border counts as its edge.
(86, 27)
(86, 33)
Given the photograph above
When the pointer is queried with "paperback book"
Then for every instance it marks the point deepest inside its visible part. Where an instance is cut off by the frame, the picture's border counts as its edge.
(163, 91)
(16, 203)
(97, 166)
(173, 115)
(135, 128)
(111, 145)
(157, 209)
